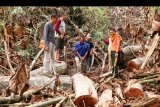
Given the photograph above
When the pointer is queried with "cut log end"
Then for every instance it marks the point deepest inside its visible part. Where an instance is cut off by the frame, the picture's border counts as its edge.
(132, 65)
(134, 92)
(85, 100)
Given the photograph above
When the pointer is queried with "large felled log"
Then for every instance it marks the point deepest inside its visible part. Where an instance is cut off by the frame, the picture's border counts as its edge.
(60, 68)
(133, 89)
(66, 81)
(136, 63)
(86, 95)
(130, 50)
(105, 99)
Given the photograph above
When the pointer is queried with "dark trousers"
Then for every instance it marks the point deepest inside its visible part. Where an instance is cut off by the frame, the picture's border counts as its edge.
(120, 62)
(88, 61)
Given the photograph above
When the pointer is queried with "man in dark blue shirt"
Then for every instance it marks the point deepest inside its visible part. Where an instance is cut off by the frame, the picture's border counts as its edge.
(81, 49)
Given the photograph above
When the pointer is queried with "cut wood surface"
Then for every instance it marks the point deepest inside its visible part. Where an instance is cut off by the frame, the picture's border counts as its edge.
(136, 63)
(60, 68)
(105, 99)
(86, 95)
(134, 89)
(66, 81)
(150, 51)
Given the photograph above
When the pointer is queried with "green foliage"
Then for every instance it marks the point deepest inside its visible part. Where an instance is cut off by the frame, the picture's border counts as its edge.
(17, 10)
(96, 19)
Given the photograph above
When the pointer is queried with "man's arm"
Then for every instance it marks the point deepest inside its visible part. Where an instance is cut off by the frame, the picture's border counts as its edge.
(45, 35)
(56, 26)
(87, 50)
(76, 50)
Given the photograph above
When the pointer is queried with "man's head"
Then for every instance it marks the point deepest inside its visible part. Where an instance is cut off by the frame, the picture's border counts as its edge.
(77, 36)
(81, 40)
(88, 37)
(112, 31)
(85, 32)
(63, 16)
(54, 18)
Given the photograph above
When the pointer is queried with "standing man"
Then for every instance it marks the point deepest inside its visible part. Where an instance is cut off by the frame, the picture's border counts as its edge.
(81, 49)
(49, 43)
(89, 55)
(60, 28)
(116, 52)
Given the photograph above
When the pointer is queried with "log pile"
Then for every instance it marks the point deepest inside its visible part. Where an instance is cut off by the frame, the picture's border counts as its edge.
(96, 88)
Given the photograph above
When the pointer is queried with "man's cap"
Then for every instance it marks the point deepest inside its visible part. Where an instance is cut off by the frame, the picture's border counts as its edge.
(89, 35)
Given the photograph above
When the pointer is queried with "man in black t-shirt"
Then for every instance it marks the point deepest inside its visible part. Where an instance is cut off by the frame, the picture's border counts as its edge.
(89, 55)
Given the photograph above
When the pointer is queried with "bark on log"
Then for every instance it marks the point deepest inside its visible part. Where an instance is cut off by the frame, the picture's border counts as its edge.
(129, 50)
(60, 68)
(105, 99)
(136, 63)
(134, 89)
(86, 94)
(66, 81)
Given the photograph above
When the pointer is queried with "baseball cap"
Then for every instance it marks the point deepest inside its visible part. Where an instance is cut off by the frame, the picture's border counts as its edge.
(89, 35)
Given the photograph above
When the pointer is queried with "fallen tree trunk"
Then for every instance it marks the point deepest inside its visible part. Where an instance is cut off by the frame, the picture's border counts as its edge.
(50, 102)
(60, 68)
(66, 81)
(17, 98)
(86, 95)
(105, 99)
(136, 63)
(134, 89)
(129, 51)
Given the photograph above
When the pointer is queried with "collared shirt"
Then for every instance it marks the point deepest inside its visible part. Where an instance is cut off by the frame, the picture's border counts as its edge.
(81, 48)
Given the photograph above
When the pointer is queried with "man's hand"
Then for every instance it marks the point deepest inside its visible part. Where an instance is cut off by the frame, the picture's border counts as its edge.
(46, 48)
(116, 55)
(62, 35)
(82, 58)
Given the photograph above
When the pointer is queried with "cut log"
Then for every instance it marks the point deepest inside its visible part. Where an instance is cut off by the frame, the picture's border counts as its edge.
(134, 89)
(130, 50)
(66, 81)
(60, 68)
(86, 95)
(105, 99)
(136, 63)
(149, 53)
